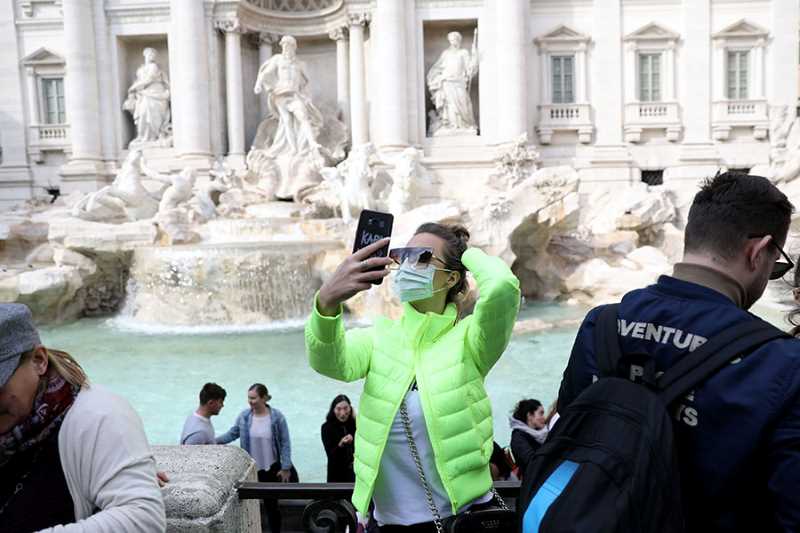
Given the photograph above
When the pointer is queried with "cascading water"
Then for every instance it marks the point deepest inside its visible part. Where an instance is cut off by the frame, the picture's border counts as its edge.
(224, 284)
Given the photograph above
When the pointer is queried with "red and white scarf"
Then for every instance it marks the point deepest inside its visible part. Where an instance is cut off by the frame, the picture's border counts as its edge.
(49, 409)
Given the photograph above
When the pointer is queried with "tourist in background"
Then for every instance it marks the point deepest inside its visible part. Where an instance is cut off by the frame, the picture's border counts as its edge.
(528, 431)
(71, 454)
(338, 434)
(198, 428)
(263, 433)
(424, 373)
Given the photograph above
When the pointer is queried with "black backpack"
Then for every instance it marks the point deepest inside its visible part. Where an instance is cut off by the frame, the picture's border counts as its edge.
(610, 464)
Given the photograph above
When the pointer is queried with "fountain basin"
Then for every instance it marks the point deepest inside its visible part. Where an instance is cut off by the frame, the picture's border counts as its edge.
(222, 284)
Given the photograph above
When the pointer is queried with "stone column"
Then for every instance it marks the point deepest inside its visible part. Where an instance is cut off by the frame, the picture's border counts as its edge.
(189, 75)
(265, 43)
(15, 175)
(233, 90)
(758, 70)
(342, 72)
(782, 88)
(669, 71)
(698, 156)
(358, 94)
(84, 171)
(389, 57)
(512, 50)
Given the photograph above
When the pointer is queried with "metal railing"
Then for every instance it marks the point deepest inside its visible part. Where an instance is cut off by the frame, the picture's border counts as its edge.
(329, 509)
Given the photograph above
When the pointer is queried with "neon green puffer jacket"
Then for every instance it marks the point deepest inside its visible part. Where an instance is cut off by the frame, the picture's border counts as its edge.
(450, 360)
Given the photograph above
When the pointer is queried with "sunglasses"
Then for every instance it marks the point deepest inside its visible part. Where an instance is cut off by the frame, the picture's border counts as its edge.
(780, 268)
(417, 257)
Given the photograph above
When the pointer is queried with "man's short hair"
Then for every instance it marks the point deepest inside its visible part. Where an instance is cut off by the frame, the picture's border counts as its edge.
(211, 391)
(730, 208)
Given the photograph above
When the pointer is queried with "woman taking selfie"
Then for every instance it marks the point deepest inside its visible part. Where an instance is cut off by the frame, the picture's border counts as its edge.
(425, 428)
(338, 434)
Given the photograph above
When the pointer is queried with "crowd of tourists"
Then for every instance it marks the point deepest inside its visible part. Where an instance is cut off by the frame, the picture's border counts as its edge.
(679, 410)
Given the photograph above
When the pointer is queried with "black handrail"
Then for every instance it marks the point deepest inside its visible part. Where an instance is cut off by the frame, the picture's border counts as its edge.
(253, 490)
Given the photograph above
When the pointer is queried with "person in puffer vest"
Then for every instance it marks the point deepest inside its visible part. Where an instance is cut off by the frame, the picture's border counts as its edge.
(430, 359)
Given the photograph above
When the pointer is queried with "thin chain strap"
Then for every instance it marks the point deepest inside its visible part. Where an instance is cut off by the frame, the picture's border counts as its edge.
(412, 446)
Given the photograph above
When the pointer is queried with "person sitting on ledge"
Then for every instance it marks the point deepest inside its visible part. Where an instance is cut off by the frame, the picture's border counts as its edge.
(424, 374)
(71, 454)
(198, 428)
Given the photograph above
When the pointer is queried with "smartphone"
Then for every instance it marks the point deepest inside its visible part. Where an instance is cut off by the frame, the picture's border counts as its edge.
(373, 226)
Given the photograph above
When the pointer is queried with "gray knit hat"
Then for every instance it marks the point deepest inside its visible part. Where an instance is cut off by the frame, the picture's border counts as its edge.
(17, 336)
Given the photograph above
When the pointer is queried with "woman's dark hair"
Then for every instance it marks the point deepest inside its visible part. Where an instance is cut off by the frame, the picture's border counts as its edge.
(455, 239)
(524, 407)
(260, 389)
(332, 416)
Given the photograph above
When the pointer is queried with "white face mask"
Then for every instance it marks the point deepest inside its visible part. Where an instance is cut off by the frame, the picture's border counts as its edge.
(414, 284)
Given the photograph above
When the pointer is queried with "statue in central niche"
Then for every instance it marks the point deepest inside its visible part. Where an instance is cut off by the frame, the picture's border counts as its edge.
(285, 84)
(449, 81)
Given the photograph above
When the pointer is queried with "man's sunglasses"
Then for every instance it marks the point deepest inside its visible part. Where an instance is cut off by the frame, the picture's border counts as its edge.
(416, 257)
(780, 268)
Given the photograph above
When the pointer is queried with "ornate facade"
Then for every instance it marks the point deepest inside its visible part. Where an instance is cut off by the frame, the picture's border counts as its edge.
(623, 90)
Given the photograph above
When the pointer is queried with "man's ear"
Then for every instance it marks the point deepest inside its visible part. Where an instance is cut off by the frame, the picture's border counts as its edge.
(755, 249)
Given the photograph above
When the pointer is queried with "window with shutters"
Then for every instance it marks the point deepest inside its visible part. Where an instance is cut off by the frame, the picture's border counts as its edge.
(738, 69)
(649, 77)
(563, 72)
(53, 111)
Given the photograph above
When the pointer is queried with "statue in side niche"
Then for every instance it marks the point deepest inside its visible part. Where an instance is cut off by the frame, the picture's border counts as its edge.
(449, 81)
(148, 101)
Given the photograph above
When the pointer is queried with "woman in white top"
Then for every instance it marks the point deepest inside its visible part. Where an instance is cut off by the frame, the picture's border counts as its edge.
(263, 433)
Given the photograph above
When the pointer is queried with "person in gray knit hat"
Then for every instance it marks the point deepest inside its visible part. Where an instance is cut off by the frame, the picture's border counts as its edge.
(71, 454)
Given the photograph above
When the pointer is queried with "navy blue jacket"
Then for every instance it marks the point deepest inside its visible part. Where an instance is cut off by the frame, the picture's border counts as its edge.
(738, 434)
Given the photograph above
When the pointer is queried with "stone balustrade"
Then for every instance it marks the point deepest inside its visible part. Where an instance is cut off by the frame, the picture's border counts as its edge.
(729, 114)
(640, 116)
(565, 117)
(48, 137)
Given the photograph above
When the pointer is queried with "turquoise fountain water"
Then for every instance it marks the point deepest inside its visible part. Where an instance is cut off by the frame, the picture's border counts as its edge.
(160, 373)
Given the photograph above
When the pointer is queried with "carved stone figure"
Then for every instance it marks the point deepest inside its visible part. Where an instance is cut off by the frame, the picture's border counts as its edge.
(353, 185)
(148, 102)
(284, 81)
(406, 178)
(514, 163)
(126, 198)
(179, 190)
(449, 82)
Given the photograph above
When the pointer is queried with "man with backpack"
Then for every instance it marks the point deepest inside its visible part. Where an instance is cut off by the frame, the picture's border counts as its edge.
(680, 410)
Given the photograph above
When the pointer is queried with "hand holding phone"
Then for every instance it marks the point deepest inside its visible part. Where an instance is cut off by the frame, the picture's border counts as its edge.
(365, 267)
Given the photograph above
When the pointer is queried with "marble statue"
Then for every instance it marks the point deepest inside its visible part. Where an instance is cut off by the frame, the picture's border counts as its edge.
(407, 175)
(179, 190)
(126, 198)
(148, 101)
(284, 81)
(449, 81)
(354, 181)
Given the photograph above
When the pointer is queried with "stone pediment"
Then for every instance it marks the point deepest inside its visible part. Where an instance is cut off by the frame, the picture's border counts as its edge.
(652, 32)
(562, 34)
(42, 57)
(741, 28)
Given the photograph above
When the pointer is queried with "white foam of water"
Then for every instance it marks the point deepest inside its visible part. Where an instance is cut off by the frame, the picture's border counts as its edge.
(129, 324)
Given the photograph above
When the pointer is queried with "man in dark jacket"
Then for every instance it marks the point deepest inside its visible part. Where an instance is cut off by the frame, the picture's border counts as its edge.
(738, 434)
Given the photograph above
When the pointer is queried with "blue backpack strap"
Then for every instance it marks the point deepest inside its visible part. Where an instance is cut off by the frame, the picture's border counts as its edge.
(606, 342)
(694, 368)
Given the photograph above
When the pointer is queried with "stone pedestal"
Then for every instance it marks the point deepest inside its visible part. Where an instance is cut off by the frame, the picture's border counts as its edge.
(201, 494)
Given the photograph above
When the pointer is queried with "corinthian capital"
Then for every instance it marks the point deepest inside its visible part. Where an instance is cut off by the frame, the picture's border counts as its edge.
(338, 34)
(233, 25)
(358, 19)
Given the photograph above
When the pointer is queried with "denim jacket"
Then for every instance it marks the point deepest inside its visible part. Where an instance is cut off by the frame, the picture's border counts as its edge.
(281, 445)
